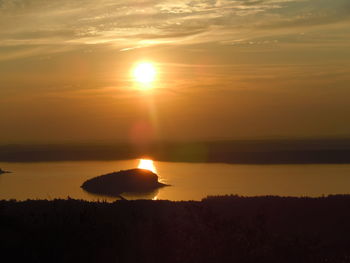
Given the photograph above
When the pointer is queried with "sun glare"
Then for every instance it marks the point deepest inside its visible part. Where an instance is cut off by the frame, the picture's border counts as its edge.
(147, 165)
(144, 73)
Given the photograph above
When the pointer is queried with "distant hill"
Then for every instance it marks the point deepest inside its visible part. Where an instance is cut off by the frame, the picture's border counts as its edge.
(242, 152)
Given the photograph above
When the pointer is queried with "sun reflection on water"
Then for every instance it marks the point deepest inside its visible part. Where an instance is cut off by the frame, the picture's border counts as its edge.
(147, 164)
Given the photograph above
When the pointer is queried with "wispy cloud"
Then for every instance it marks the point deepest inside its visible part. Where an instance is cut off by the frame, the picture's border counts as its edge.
(138, 23)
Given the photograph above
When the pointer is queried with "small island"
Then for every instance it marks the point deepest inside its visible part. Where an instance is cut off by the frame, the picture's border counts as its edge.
(4, 172)
(133, 180)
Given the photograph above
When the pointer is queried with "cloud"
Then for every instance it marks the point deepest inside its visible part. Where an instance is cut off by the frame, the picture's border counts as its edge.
(138, 23)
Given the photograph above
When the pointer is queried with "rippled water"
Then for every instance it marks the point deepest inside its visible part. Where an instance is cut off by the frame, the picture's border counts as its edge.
(190, 181)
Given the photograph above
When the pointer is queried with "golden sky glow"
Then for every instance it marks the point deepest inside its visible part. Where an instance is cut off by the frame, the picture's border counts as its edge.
(222, 69)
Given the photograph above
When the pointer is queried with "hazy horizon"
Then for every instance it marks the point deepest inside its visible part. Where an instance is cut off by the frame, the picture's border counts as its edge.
(121, 141)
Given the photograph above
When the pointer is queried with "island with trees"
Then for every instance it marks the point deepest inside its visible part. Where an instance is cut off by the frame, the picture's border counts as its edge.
(132, 180)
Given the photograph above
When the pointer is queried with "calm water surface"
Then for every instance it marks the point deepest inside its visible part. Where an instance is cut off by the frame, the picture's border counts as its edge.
(190, 181)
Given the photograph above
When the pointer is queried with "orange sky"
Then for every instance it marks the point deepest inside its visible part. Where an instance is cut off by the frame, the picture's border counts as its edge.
(225, 69)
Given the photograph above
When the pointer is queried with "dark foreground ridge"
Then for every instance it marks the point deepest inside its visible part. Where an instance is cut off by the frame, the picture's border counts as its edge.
(217, 229)
(116, 183)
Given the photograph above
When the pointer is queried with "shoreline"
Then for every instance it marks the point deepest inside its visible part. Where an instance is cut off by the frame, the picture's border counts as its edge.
(244, 158)
(229, 152)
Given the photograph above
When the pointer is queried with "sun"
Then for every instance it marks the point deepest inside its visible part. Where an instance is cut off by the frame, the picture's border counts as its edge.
(144, 73)
(147, 165)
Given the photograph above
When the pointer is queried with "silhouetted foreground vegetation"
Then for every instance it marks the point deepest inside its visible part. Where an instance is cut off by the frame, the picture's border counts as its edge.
(114, 184)
(244, 152)
(217, 229)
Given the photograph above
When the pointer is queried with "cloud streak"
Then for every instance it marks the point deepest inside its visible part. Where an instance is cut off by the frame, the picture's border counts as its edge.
(137, 23)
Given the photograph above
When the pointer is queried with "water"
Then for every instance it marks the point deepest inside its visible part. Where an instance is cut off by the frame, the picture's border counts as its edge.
(190, 181)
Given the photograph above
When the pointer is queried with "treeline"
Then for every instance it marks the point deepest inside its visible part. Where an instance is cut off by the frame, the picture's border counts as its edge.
(216, 229)
(243, 152)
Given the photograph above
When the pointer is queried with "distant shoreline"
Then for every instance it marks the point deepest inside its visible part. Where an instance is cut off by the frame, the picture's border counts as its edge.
(230, 152)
